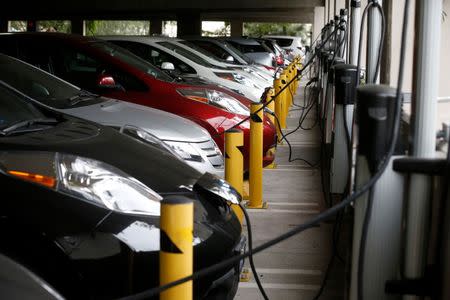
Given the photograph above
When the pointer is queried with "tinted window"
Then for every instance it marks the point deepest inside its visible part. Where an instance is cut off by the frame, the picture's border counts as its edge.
(39, 85)
(212, 49)
(131, 59)
(156, 56)
(186, 53)
(283, 42)
(84, 70)
(248, 48)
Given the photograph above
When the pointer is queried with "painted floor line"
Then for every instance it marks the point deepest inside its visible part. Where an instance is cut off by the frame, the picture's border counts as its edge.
(285, 211)
(280, 286)
(294, 204)
(288, 271)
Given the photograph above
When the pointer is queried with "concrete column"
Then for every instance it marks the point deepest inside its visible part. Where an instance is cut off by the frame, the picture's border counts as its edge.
(189, 24)
(156, 26)
(319, 12)
(237, 27)
(77, 26)
(3, 25)
(31, 26)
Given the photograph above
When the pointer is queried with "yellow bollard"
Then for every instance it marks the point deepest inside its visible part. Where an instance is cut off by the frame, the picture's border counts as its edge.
(234, 165)
(256, 157)
(278, 107)
(284, 104)
(176, 255)
(271, 105)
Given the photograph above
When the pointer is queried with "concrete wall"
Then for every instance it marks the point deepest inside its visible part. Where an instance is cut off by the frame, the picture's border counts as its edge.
(318, 21)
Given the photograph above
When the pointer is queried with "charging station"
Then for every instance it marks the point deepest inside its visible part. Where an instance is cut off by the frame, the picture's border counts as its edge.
(378, 213)
(346, 79)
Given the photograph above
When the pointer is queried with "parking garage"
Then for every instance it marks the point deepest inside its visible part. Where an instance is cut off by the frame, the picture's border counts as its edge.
(239, 150)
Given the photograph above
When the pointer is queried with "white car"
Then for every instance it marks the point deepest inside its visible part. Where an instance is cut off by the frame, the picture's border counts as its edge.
(182, 137)
(292, 44)
(262, 78)
(169, 56)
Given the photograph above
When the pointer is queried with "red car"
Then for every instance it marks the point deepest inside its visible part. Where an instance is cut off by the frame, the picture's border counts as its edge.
(106, 69)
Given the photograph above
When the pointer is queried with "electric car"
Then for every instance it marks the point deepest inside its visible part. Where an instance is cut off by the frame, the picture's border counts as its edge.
(180, 136)
(81, 205)
(108, 70)
(253, 49)
(292, 44)
(261, 78)
(18, 282)
(224, 51)
(167, 55)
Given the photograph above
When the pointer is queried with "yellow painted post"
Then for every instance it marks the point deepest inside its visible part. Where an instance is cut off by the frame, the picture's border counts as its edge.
(291, 86)
(176, 254)
(270, 105)
(256, 157)
(284, 105)
(278, 107)
(234, 165)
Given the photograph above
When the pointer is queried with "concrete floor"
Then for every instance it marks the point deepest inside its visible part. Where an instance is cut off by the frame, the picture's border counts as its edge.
(295, 268)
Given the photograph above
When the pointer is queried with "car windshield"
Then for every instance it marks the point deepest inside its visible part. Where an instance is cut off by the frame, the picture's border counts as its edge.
(238, 52)
(15, 108)
(249, 48)
(200, 50)
(42, 86)
(131, 59)
(283, 42)
(187, 54)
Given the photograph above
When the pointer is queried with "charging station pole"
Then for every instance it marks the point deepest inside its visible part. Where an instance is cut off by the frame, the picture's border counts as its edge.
(346, 79)
(375, 114)
(343, 36)
(426, 81)
(355, 26)
(373, 42)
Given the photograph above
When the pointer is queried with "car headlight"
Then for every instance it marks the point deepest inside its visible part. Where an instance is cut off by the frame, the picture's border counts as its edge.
(83, 178)
(148, 138)
(216, 98)
(185, 151)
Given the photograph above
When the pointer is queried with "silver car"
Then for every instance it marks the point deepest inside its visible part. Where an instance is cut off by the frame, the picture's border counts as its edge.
(182, 137)
(254, 50)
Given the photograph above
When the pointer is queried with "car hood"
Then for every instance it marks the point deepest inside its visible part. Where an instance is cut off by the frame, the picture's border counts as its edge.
(164, 125)
(156, 168)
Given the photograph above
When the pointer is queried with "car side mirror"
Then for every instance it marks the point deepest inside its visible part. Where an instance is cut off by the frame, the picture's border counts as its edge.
(167, 66)
(105, 81)
(230, 58)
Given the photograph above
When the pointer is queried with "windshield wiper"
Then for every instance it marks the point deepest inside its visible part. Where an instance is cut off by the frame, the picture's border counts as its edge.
(27, 123)
(82, 96)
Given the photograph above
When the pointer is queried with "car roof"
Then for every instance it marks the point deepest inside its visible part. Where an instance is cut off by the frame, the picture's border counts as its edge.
(244, 41)
(280, 36)
(53, 35)
(138, 38)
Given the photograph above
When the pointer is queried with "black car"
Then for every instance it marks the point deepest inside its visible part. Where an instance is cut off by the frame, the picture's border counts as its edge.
(81, 203)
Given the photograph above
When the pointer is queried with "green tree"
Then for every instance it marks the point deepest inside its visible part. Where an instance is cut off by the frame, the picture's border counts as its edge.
(54, 25)
(107, 27)
(291, 29)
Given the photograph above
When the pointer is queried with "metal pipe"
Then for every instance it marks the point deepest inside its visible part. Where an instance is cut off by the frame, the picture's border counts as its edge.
(425, 90)
(373, 42)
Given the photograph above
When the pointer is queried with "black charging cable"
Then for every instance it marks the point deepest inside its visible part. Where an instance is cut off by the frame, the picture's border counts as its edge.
(250, 257)
(325, 215)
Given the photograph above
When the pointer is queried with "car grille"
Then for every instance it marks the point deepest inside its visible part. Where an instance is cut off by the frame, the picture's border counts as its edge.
(212, 153)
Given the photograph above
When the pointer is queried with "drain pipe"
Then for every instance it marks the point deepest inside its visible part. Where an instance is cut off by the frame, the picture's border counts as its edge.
(355, 30)
(373, 42)
(425, 91)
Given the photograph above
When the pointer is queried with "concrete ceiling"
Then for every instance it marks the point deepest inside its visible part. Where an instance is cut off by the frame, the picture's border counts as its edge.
(251, 10)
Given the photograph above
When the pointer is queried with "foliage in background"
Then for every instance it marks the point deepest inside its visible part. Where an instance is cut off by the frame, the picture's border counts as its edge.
(17, 26)
(292, 29)
(126, 27)
(225, 30)
(54, 26)
(169, 28)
